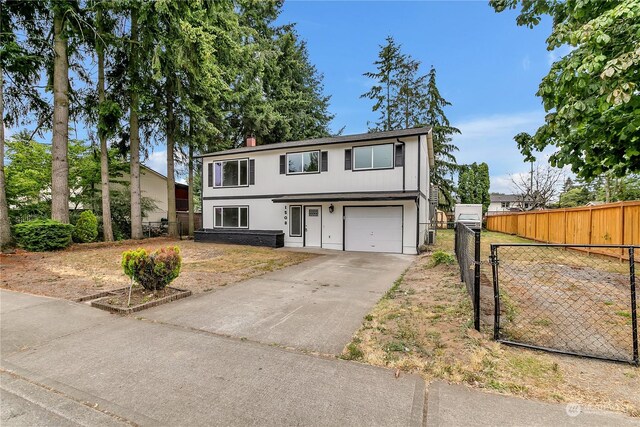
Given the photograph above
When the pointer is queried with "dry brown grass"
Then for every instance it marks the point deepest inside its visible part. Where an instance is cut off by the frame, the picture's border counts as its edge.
(425, 326)
(91, 268)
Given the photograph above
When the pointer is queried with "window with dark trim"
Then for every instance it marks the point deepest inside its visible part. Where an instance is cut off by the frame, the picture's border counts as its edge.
(231, 173)
(295, 221)
(373, 157)
(231, 217)
(307, 162)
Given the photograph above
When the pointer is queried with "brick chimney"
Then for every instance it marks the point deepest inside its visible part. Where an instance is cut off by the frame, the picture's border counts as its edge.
(251, 141)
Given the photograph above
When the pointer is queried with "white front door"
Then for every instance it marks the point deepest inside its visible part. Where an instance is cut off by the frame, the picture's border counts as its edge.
(313, 226)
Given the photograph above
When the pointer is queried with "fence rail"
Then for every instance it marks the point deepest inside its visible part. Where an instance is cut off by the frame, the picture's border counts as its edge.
(467, 249)
(553, 297)
(609, 224)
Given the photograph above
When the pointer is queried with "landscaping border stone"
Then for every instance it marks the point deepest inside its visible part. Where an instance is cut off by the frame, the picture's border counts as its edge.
(99, 295)
(101, 304)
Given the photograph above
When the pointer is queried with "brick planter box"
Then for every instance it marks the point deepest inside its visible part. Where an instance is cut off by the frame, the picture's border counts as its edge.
(269, 238)
(102, 303)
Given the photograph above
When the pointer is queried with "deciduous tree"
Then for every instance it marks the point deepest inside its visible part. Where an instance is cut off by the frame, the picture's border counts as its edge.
(591, 94)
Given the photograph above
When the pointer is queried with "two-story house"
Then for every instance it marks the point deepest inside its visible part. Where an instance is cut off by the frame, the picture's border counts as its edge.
(508, 203)
(366, 192)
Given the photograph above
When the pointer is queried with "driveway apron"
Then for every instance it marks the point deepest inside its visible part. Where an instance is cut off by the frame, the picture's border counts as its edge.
(314, 306)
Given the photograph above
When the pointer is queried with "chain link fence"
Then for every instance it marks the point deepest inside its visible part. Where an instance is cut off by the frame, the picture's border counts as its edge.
(161, 228)
(560, 299)
(467, 248)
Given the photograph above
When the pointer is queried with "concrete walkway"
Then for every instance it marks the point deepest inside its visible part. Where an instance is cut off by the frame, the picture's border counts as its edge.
(460, 406)
(157, 374)
(316, 305)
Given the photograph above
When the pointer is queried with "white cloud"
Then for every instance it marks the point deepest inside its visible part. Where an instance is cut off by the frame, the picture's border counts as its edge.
(157, 161)
(490, 139)
(504, 183)
(526, 63)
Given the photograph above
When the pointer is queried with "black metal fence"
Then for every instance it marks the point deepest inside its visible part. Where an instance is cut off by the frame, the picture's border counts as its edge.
(467, 248)
(558, 298)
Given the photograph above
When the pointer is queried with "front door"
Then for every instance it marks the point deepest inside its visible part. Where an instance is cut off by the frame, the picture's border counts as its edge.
(313, 226)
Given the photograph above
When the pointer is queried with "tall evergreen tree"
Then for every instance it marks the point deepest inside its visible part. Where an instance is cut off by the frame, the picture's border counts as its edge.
(473, 185)
(385, 91)
(443, 147)
(406, 99)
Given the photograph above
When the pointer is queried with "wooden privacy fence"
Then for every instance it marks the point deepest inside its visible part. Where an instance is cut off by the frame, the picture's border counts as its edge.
(609, 224)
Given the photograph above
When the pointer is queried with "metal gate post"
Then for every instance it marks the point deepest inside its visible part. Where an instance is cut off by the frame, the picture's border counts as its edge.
(476, 282)
(634, 313)
(496, 292)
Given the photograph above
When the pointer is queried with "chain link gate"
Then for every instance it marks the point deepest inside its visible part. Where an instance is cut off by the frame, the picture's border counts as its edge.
(557, 298)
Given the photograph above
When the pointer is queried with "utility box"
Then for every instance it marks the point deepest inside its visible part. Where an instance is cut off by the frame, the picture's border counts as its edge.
(468, 214)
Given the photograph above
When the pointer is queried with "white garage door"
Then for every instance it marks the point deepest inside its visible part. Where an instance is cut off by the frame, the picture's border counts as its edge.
(373, 229)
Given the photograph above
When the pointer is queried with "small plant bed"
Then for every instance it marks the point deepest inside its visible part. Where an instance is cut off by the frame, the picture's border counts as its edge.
(118, 301)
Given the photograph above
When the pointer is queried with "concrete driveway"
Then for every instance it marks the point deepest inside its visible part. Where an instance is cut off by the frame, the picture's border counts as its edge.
(316, 305)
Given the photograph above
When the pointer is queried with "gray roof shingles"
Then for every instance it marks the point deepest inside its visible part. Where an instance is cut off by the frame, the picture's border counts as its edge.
(362, 137)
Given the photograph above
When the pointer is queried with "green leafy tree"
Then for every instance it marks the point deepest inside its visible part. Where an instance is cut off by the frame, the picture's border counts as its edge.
(28, 175)
(473, 185)
(592, 93)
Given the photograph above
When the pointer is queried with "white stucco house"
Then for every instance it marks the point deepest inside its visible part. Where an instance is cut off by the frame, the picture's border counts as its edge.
(366, 192)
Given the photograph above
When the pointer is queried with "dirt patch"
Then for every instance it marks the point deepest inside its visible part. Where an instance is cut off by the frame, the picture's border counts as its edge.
(424, 325)
(122, 302)
(90, 268)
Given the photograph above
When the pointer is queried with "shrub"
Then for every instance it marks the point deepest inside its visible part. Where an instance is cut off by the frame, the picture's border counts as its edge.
(86, 228)
(43, 235)
(153, 271)
(442, 257)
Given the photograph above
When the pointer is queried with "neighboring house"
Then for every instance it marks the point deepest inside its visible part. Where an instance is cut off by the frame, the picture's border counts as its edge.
(367, 192)
(154, 186)
(508, 203)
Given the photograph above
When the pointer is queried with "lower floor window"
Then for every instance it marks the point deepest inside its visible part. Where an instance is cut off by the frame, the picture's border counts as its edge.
(231, 217)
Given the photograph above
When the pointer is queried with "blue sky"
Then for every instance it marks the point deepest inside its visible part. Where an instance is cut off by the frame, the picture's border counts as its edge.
(487, 67)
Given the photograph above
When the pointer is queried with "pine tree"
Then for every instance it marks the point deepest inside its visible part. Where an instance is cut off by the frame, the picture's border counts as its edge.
(443, 147)
(406, 99)
(385, 91)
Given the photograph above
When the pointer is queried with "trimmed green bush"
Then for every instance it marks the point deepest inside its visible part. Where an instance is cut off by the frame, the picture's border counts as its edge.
(86, 228)
(43, 235)
(442, 257)
(153, 271)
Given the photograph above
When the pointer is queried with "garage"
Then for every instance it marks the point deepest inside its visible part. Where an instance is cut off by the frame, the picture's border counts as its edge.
(373, 229)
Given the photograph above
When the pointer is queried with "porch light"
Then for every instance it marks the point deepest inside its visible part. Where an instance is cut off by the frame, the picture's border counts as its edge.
(331, 208)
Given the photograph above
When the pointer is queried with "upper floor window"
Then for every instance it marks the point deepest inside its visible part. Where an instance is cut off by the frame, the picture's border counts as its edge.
(303, 162)
(373, 157)
(231, 173)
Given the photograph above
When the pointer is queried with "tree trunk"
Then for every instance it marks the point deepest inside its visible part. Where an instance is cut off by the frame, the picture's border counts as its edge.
(6, 242)
(107, 229)
(171, 180)
(59, 146)
(190, 182)
(134, 130)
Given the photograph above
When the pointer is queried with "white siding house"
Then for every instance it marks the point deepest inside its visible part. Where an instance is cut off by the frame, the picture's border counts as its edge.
(366, 192)
(507, 203)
